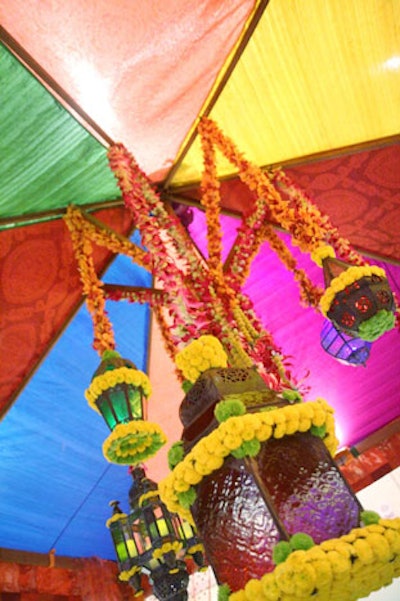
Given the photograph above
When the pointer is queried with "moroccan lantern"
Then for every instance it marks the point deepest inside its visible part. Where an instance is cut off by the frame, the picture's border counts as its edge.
(151, 540)
(265, 474)
(118, 392)
(358, 299)
(123, 400)
(343, 347)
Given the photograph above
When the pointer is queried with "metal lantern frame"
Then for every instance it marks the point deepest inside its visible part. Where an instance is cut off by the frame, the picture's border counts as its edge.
(151, 540)
(343, 347)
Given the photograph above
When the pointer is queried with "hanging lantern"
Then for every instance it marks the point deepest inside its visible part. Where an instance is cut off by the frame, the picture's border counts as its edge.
(358, 299)
(119, 392)
(343, 347)
(128, 547)
(152, 541)
(123, 399)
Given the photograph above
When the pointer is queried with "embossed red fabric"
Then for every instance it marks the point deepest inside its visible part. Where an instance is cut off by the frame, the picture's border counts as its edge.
(40, 290)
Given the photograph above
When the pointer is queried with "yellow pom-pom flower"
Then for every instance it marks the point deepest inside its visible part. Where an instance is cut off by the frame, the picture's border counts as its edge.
(322, 252)
(204, 353)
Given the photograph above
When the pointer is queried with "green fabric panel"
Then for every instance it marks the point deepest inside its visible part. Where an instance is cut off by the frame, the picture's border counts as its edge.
(47, 159)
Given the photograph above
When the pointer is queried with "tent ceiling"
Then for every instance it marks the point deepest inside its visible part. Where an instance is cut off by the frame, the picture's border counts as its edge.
(140, 69)
(314, 77)
(312, 80)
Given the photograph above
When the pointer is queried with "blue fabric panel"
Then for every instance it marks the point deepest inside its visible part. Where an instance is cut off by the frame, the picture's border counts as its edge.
(55, 484)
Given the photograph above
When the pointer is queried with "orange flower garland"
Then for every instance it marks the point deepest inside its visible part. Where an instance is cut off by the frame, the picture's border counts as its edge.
(211, 201)
(92, 286)
(304, 205)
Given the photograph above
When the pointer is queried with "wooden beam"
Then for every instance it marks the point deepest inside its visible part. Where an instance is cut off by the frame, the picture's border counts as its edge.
(39, 559)
(52, 214)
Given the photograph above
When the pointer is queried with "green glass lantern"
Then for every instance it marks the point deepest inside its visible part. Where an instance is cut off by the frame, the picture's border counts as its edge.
(193, 547)
(122, 401)
(118, 392)
(128, 547)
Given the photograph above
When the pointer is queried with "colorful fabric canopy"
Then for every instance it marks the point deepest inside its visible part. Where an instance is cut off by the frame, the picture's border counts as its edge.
(318, 81)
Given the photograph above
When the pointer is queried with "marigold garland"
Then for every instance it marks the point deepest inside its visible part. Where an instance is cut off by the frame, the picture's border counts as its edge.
(322, 252)
(133, 442)
(115, 518)
(211, 200)
(151, 494)
(92, 286)
(209, 453)
(175, 546)
(345, 568)
(306, 229)
(111, 378)
(126, 575)
(101, 235)
(302, 202)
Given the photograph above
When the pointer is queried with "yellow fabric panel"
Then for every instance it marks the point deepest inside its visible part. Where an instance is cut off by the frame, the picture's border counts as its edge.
(315, 76)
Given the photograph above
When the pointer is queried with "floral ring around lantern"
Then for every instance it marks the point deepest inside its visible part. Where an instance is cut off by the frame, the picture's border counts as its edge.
(134, 442)
(112, 378)
(344, 568)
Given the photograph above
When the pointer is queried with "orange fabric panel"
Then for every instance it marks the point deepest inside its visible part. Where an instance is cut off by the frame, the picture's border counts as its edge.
(40, 289)
(141, 70)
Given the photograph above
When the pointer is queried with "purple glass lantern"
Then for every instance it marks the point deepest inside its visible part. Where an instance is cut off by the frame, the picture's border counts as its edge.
(343, 347)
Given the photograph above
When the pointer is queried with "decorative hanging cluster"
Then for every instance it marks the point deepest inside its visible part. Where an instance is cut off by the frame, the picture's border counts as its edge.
(280, 201)
(200, 297)
(200, 301)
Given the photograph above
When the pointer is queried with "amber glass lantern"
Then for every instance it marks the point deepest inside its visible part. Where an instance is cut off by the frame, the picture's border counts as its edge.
(289, 485)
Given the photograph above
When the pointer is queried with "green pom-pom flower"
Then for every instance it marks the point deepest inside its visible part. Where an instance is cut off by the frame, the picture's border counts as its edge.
(318, 431)
(110, 354)
(187, 498)
(292, 396)
(226, 409)
(300, 540)
(223, 592)
(175, 454)
(377, 325)
(186, 386)
(369, 517)
(281, 552)
(248, 448)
